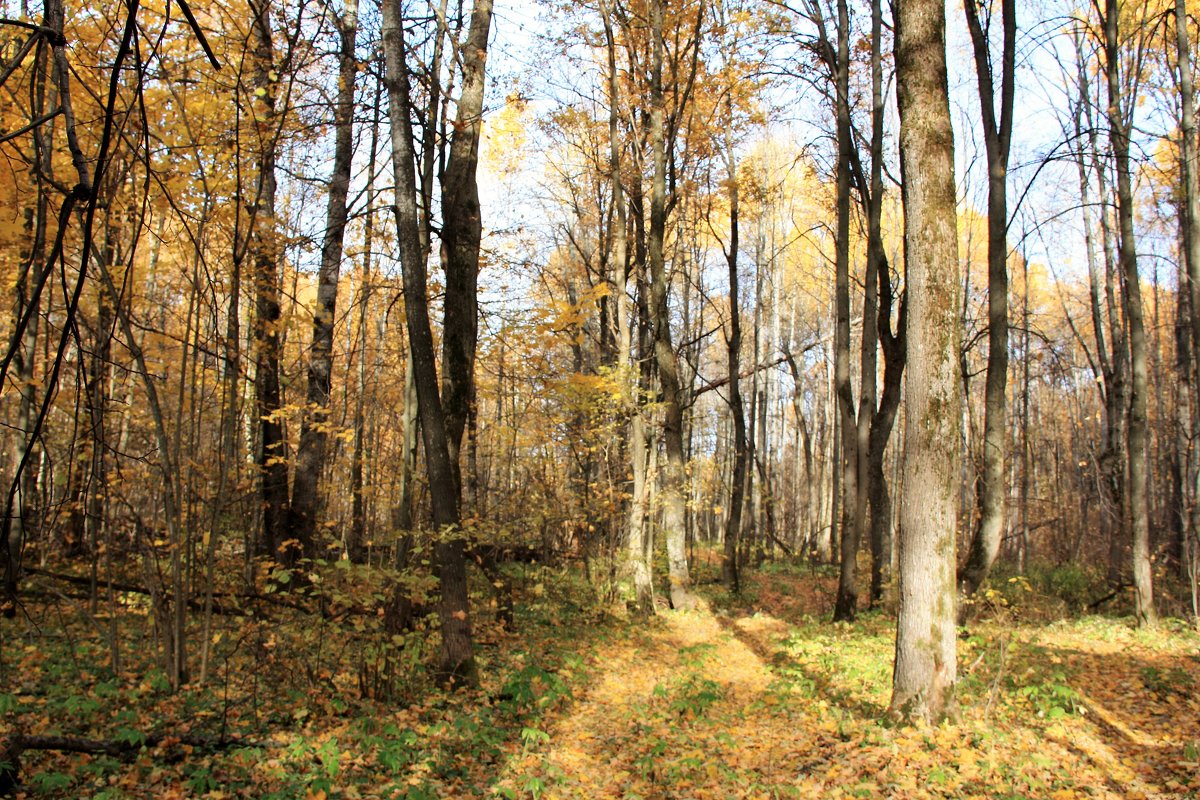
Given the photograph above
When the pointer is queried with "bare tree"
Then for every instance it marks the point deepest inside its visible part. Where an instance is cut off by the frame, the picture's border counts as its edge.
(997, 137)
(1120, 119)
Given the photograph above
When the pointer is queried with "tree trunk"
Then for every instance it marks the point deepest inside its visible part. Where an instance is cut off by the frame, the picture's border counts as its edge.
(737, 481)
(1118, 124)
(358, 515)
(637, 547)
(1111, 349)
(853, 457)
(314, 431)
(885, 407)
(462, 229)
(272, 457)
(673, 477)
(985, 543)
(1190, 234)
(456, 659)
(925, 669)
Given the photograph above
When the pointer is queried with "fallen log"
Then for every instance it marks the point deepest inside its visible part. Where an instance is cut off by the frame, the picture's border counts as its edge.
(1120, 587)
(16, 745)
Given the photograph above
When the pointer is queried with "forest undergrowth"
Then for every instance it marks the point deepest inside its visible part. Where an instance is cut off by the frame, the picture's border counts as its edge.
(755, 696)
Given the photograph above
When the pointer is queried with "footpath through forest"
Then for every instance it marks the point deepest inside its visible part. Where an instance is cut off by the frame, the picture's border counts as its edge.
(766, 702)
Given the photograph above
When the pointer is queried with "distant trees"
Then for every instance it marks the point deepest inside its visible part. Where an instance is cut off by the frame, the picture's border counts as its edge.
(663, 308)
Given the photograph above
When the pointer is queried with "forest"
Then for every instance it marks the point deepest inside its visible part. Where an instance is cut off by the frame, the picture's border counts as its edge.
(599, 398)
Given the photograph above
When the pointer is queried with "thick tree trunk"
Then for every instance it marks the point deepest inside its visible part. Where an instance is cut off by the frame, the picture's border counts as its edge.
(926, 670)
(314, 431)
(673, 476)
(1190, 235)
(456, 658)
(637, 544)
(462, 229)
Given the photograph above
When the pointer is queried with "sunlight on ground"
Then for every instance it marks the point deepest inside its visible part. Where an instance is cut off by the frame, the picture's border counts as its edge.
(649, 716)
(753, 705)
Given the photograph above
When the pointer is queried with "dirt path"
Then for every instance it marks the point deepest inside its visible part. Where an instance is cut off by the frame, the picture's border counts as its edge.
(676, 711)
(702, 705)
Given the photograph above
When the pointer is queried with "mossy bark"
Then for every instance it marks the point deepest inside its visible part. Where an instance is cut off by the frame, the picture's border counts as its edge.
(925, 668)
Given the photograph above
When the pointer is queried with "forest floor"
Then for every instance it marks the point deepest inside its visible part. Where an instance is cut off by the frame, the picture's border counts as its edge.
(757, 696)
(766, 702)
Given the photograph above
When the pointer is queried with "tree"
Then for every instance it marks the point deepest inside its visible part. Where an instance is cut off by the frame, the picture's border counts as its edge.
(1110, 366)
(925, 669)
(1189, 292)
(1120, 121)
(865, 431)
(310, 456)
(997, 137)
(637, 535)
(266, 255)
(461, 231)
(456, 659)
(673, 498)
(733, 349)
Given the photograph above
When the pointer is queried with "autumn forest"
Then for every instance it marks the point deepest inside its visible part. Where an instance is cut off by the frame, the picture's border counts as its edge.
(614, 398)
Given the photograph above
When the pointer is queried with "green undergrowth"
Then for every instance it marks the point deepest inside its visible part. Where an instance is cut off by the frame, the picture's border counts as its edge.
(761, 697)
(317, 706)
(1079, 707)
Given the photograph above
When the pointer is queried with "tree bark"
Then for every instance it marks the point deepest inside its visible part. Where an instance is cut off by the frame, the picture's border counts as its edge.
(1118, 124)
(456, 658)
(462, 229)
(272, 457)
(673, 477)
(737, 481)
(1111, 349)
(637, 544)
(358, 515)
(853, 456)
(1190, 235)
(925, 669)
